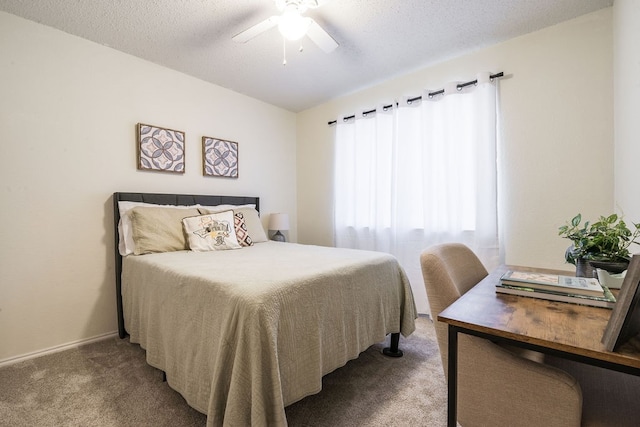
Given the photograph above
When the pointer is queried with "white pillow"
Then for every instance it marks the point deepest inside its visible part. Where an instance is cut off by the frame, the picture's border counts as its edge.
(211, 232)
(126, 245)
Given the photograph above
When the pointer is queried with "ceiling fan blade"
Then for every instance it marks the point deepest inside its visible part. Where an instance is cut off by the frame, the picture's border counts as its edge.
(256, 30)
(321, 37)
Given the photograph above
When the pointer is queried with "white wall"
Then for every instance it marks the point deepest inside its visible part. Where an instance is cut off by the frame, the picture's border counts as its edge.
(626, 67)
(557, 149)
(68, 110)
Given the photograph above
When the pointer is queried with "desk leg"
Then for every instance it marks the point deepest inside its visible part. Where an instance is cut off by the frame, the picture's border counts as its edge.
(452, 383)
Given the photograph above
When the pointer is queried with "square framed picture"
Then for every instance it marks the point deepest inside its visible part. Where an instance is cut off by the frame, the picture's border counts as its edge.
(219, 157)
(160, 149)
(624, 322)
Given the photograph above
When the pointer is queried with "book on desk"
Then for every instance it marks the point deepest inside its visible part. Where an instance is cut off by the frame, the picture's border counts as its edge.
(577, 290)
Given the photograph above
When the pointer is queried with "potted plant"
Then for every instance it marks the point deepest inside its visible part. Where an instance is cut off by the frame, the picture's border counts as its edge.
(602, 244)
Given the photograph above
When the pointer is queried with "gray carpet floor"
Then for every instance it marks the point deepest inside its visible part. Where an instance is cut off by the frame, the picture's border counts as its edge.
(108, 383)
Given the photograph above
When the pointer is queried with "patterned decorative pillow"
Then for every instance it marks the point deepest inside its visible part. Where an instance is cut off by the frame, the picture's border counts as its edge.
(211, 232)
(242, 235)
(251, 219)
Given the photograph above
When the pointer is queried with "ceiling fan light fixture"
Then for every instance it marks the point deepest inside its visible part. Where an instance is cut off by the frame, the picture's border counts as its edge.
(292, 25)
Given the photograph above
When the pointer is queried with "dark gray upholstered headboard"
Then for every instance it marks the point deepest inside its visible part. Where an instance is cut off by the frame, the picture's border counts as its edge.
(162, 199)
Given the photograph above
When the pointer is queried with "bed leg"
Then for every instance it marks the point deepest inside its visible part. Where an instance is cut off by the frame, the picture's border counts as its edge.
(393, 350)
(164, 377)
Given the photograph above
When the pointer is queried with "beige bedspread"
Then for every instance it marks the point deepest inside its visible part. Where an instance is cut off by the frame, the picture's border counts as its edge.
(243, 333)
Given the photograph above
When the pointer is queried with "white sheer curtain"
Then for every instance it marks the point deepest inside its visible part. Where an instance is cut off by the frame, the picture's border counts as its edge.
(420, 174)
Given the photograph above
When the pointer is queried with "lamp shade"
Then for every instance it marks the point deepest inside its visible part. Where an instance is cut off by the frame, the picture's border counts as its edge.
(279, 221)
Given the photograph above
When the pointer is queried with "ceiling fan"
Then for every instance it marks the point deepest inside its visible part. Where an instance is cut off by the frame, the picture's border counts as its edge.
(292, 25)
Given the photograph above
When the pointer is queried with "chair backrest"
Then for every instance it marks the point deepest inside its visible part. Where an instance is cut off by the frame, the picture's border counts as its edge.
(449, 270)
(495, 386)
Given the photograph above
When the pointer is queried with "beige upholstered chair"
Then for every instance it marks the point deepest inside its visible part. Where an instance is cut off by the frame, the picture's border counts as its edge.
(496, 387)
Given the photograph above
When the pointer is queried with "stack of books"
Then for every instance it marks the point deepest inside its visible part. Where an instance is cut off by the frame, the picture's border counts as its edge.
(577, 290)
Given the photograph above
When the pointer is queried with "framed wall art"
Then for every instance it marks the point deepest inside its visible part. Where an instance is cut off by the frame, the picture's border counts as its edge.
(219, 157)
(160, 149)
(624, 322)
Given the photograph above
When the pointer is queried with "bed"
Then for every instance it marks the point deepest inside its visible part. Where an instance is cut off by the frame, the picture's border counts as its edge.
(244, 332)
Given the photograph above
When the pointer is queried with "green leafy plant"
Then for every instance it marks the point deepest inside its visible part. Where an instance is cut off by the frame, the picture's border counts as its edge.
(607, 239)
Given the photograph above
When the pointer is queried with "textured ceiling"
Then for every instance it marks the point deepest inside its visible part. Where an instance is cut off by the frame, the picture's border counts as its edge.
(378, 39)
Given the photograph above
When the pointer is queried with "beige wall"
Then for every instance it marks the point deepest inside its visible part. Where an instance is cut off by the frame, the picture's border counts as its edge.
(556, 155)
(626, 68)
(68, 109)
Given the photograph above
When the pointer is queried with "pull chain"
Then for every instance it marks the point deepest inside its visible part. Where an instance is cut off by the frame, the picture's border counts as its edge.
(284, 51)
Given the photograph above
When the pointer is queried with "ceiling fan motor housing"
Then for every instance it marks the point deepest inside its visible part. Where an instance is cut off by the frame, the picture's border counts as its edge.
(300, 5)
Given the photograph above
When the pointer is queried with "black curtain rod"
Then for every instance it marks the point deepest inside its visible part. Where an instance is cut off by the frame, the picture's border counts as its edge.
(418, 98)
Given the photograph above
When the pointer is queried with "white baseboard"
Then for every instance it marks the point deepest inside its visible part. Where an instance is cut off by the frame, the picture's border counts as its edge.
(56, 349)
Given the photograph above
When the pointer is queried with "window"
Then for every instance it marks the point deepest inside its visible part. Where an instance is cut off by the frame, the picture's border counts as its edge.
(420, 174)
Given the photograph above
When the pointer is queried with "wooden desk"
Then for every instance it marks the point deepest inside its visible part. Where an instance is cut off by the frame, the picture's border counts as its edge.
(565, 330)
